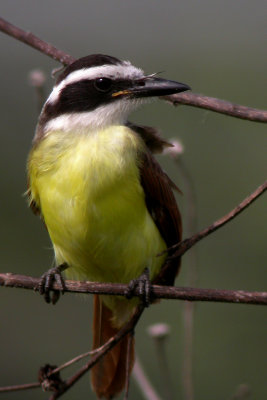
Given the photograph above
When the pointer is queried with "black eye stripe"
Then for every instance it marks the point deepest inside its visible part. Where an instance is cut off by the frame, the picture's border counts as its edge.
(83, 96)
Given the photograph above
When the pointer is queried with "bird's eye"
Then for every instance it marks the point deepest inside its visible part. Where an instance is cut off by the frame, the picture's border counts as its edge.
(103, 84)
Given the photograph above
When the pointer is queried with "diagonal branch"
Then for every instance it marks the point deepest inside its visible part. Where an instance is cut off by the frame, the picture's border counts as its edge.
(33, 41)
(191, 99)
(186, 244)
(217, 105)
(127, 328)
(99, 353)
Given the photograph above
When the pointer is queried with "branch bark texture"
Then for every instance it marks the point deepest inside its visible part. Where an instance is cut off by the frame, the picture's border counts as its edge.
(186, 244)
(31, 40)
(159, 292)
(218, 105)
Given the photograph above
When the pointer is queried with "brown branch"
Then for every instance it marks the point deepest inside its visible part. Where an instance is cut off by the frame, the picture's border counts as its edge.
(73, 361)
(217, 105)
(186, 244)
(127, 328)
(25, 386)
(191, 99)
(159, 292)
(33, 41)
(98, 354)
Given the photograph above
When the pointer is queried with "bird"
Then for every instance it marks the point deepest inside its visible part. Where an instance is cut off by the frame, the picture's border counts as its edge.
(108, 206)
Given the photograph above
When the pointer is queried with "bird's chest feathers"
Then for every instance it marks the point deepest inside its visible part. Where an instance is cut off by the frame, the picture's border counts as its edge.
(82, 180)
(85, 167)
(92, 201)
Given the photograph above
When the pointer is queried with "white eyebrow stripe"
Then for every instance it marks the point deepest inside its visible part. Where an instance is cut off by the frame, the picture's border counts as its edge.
(123, 71)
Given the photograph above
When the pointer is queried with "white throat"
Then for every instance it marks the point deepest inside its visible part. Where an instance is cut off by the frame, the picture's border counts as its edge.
(115, 113)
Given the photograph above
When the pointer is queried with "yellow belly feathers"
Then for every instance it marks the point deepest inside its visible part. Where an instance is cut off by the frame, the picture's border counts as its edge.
(88, 189)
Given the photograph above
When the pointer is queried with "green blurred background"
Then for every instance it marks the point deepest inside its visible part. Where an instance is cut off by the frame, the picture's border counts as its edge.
(219, 49)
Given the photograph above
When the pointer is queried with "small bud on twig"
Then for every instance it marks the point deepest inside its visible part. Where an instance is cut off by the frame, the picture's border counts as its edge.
(37, 78)
(176, 150)
(158, 331)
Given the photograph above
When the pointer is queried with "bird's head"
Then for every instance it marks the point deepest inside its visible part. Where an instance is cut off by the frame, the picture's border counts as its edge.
(98, 91)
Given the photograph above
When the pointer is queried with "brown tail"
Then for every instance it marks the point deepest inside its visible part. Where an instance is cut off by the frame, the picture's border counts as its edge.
(109, 374)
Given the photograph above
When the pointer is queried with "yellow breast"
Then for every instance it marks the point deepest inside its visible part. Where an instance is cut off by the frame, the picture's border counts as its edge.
(89, 192)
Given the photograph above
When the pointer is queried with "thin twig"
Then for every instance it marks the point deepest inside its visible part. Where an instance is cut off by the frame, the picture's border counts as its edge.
(54, 371)
(159, 333)
(186, 244)
(101, 351)
(218, 105)
(127, 328)
(191, 99)
(144, 384)
(25, 386)
(190, 279)
(73, 361)
(190, 226)
(159, 292)
(35, 42)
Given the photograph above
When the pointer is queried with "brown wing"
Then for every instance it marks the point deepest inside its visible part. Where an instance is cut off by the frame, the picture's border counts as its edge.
(163, 208)
(151, 136)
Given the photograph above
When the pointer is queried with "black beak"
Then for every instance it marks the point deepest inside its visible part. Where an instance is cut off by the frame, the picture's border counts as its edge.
(149, 87)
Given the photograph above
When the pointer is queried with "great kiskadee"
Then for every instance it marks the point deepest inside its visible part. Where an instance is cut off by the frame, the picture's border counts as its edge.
(107, 205)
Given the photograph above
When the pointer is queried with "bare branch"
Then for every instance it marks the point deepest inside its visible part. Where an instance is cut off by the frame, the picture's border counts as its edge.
(127, 328)
(15, 388)
(98, 354)
(217, 105)
(186, 244)
(35, 42)
(144, 384)
(159, 292)
(73, 361)
(190, 226)
(191, 99)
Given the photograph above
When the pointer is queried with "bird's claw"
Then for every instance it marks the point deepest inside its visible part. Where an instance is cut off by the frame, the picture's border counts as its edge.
(143, 284)
(47, 280)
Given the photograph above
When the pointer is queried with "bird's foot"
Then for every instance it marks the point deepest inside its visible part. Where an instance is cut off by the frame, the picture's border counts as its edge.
(47, 280)
(143, 284)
